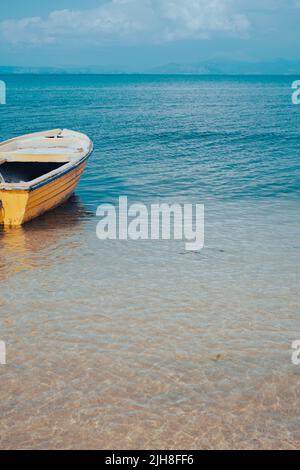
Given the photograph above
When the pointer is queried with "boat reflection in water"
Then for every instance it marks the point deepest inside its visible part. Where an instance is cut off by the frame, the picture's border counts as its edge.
(43, 240)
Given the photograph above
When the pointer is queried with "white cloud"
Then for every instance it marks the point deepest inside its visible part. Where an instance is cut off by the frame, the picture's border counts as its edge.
(193, 18)
(132, 20)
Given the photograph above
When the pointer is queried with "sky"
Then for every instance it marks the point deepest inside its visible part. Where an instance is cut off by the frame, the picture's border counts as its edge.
(146, 33)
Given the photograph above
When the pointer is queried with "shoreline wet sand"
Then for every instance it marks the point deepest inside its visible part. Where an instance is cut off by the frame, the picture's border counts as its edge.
(142, 347)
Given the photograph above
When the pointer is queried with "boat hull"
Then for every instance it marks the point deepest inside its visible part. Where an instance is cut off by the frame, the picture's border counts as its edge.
(18, 206)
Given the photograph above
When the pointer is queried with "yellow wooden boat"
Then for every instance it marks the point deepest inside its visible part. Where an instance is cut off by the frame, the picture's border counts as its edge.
(39, 172)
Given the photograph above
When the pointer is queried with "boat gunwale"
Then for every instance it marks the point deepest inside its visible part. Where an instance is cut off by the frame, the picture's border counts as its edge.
(32, 134)
(47, 177)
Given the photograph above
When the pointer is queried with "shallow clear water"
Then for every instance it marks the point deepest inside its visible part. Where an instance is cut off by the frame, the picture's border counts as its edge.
(141, 344)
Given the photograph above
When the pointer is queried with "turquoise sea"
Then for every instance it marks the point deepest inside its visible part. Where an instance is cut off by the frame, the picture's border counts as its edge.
(132, 345)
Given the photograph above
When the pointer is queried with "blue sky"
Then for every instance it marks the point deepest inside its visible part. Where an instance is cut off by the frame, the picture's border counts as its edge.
(146, 33)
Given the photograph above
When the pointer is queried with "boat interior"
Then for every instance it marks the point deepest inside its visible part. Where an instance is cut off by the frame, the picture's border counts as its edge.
(21, 172)
(25, 159)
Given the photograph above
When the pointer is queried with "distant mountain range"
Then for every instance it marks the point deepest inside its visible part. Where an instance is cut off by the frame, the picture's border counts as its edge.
(212, 67)
(224, 67)
(62, 70)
